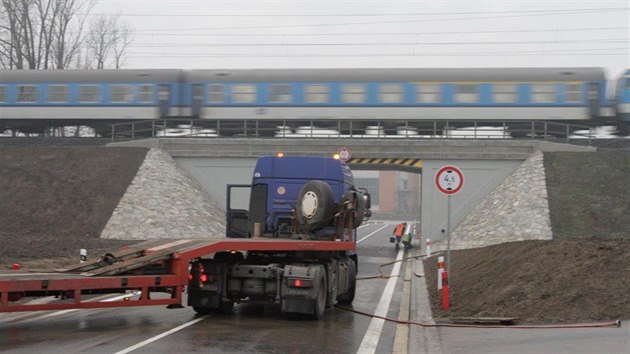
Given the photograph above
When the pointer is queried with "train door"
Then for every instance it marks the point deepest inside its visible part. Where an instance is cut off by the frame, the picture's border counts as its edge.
(197, 100)
(164, 99)
(594, 106)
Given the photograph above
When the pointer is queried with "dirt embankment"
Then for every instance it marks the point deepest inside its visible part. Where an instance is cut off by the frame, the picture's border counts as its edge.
(56, 200)
(580, 275)
(558, 281)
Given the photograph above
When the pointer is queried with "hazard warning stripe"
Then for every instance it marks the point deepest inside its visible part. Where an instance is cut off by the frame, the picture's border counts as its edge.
(417, 163)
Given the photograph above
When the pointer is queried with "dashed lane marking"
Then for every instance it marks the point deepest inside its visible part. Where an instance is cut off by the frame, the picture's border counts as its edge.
(160, 336)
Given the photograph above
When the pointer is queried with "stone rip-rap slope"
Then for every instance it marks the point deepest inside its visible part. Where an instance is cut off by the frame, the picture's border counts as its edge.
(517, 210)
(162, 201)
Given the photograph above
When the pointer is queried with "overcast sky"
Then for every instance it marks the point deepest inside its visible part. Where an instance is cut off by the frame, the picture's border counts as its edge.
(313, 34)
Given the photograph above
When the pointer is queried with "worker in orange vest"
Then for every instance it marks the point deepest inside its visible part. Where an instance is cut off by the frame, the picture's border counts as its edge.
(399, 230)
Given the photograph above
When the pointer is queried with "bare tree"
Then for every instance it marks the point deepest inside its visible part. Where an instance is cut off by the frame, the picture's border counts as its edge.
(123, 40)
(41, 34)
(109, 38)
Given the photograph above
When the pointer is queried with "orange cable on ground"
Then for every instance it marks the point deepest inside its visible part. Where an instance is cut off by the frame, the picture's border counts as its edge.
(616, 323)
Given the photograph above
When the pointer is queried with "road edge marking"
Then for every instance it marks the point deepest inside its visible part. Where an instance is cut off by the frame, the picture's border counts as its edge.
(401, 338)
(373, 333)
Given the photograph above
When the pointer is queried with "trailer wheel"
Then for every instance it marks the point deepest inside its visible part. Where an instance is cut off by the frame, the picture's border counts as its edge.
(322, 295)
(314, 205)
(332, 291)
(202, 310)
(227, 306)
(347, 297)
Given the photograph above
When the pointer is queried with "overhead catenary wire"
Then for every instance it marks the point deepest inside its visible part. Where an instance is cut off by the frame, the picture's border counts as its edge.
(372, 55)
(371, 34)
(567, 12)
(352, 14)
(567, 41)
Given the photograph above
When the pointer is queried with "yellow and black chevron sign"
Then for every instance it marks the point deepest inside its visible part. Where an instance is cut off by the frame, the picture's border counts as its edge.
(413, 163)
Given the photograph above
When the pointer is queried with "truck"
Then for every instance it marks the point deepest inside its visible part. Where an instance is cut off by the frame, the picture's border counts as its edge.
(295, 247)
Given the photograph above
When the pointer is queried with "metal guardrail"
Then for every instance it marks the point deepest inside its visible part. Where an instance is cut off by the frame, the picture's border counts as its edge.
(350, 129)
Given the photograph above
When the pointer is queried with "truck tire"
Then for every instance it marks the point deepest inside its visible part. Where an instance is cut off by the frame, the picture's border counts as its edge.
(202, 310)
(331, 298)
(314, 205)
(322, 295)
(347, 297)
(358, 205)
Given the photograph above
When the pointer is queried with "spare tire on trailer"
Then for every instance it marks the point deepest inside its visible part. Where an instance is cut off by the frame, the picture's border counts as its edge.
(314, 206)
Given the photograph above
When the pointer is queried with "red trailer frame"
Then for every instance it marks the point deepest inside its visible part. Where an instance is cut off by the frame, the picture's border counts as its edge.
(138, 263)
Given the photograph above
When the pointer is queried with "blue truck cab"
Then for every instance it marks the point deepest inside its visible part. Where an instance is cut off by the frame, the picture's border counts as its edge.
(296, 195)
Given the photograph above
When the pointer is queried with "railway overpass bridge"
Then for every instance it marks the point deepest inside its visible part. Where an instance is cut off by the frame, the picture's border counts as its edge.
(214, 163)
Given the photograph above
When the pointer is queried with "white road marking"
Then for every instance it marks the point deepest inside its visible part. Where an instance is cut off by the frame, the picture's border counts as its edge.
(370, 340)
(160, 336)
(372, 234)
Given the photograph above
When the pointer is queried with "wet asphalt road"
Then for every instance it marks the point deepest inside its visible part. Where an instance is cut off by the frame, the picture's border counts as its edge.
(250, 329)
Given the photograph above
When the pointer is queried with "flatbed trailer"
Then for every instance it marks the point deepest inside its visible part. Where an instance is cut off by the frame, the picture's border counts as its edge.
(157, 266)
(294, 247)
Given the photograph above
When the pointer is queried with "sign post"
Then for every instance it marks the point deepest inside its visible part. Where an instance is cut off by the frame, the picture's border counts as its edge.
(449, 180)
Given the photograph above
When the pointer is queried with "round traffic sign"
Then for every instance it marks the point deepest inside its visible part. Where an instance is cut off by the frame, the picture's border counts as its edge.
(449, 180)
(344, 154)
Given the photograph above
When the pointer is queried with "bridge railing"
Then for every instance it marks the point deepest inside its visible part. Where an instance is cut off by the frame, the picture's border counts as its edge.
(354, 129)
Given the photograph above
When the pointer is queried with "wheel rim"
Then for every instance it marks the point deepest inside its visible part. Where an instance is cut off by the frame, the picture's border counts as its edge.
(309, 204)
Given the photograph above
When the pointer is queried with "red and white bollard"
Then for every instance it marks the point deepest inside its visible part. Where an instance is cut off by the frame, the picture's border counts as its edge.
(445, 299)
(15, 266)
(440, 271)
(428, 245)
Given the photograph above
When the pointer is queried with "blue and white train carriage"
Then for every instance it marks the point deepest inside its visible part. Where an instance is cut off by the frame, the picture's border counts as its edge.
(93, 97)
(622, 97)
(89, 94)
(566, 94)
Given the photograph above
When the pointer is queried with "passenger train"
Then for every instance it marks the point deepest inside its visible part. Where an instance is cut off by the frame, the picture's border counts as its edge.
(31, 99)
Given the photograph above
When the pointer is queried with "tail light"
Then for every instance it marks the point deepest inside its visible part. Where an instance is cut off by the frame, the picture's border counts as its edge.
(300, 283)
(197, 276)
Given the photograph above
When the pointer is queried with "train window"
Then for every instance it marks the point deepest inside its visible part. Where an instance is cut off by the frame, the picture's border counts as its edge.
(573, 93)
(504, 93)
(353, 93)
(27, 93)
(58, 93)
(428, 93)
(89, 93)
(466, 93)
(542, 93)
(280, 93)
(627, 87)
(145, 93)
(216, 93)
(390, 93)
(4, 94)
(244, 93)
(316, 93)
(120, 93)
